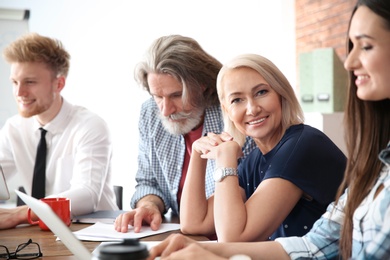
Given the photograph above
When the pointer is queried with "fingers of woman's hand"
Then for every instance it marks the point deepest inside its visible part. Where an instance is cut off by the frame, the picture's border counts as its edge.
(193, 251)
(171, 244)
(225, 136)
(204, 144)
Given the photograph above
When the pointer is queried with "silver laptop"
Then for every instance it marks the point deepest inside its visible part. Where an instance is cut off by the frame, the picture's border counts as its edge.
(4, 193)
(45, 213)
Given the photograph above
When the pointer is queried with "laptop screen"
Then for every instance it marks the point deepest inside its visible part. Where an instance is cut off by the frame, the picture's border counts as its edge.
(4, 194)
(45, 213)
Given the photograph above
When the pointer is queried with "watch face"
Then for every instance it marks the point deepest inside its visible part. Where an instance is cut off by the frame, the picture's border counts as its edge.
(218, 174)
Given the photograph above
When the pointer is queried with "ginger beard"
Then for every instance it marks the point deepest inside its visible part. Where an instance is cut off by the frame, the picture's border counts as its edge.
(36, 109)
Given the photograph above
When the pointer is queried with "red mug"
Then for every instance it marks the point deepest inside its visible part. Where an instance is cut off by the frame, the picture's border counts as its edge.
(60, 206)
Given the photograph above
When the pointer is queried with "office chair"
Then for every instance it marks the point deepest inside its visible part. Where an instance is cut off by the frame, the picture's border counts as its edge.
(19, 201)
(118, 190)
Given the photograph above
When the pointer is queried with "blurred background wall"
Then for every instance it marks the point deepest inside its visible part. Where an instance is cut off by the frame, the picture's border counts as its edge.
(106, 38)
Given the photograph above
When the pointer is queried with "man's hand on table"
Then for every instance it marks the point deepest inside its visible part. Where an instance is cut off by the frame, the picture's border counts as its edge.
(149, 211)
(10, 218)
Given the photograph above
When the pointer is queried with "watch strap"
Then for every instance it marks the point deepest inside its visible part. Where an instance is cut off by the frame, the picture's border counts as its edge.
(226, 171)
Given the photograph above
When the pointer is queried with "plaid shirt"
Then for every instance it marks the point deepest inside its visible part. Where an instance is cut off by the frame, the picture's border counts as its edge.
(371, 226)
(161, 156)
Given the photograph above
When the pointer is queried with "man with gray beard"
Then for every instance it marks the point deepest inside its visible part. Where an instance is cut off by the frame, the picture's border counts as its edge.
(181, 79)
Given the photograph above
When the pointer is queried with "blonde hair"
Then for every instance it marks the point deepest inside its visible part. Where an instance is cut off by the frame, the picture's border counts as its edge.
(292, 113)
(33, 47)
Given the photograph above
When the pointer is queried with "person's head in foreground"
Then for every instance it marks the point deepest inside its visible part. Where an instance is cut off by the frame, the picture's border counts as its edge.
(355, 226)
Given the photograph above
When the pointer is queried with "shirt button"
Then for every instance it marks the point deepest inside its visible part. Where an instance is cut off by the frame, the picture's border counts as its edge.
(304, 227)
(285, 226)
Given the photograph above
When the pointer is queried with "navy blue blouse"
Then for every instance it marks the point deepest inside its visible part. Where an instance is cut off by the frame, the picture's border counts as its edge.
(306, 157)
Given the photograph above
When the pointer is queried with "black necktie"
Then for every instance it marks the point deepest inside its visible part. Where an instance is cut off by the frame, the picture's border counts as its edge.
(39, 179)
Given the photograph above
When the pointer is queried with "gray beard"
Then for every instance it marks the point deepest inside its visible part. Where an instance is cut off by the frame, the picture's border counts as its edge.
(191, 120)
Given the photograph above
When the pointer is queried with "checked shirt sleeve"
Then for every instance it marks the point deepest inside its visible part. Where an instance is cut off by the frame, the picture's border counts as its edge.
(321, 242)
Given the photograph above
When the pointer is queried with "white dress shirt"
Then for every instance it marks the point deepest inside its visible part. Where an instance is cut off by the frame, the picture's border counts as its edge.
(78, 162)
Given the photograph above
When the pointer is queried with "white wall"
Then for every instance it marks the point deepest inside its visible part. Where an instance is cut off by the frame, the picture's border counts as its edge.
(106, 38)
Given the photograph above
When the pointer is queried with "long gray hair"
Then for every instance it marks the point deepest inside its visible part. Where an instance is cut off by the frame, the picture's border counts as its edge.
(183, 58)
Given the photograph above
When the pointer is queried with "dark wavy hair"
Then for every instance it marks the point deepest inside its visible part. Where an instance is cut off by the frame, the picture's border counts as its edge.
(367, 125)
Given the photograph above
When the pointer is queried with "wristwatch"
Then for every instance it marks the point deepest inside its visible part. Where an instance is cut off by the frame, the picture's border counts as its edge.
(221, 173)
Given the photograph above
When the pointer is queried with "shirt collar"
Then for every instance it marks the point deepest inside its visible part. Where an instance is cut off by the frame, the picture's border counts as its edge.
(59, 122)
(384, 155)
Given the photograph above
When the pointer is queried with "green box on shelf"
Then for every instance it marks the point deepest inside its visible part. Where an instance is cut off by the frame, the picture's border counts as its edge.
(323, 81)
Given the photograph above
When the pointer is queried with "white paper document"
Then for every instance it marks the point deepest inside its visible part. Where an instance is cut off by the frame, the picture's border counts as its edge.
(106, 232)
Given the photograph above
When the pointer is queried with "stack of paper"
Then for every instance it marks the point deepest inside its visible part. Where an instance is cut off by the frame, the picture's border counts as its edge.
(104, 216)
(106, 232)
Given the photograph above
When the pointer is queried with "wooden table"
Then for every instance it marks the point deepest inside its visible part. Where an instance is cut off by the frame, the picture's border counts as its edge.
(52, 249)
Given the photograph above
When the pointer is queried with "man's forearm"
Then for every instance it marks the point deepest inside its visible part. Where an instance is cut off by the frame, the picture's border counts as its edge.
(10, 218)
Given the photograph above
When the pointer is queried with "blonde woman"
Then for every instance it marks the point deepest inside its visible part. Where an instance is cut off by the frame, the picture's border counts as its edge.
(284, 185)
(356, 226)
